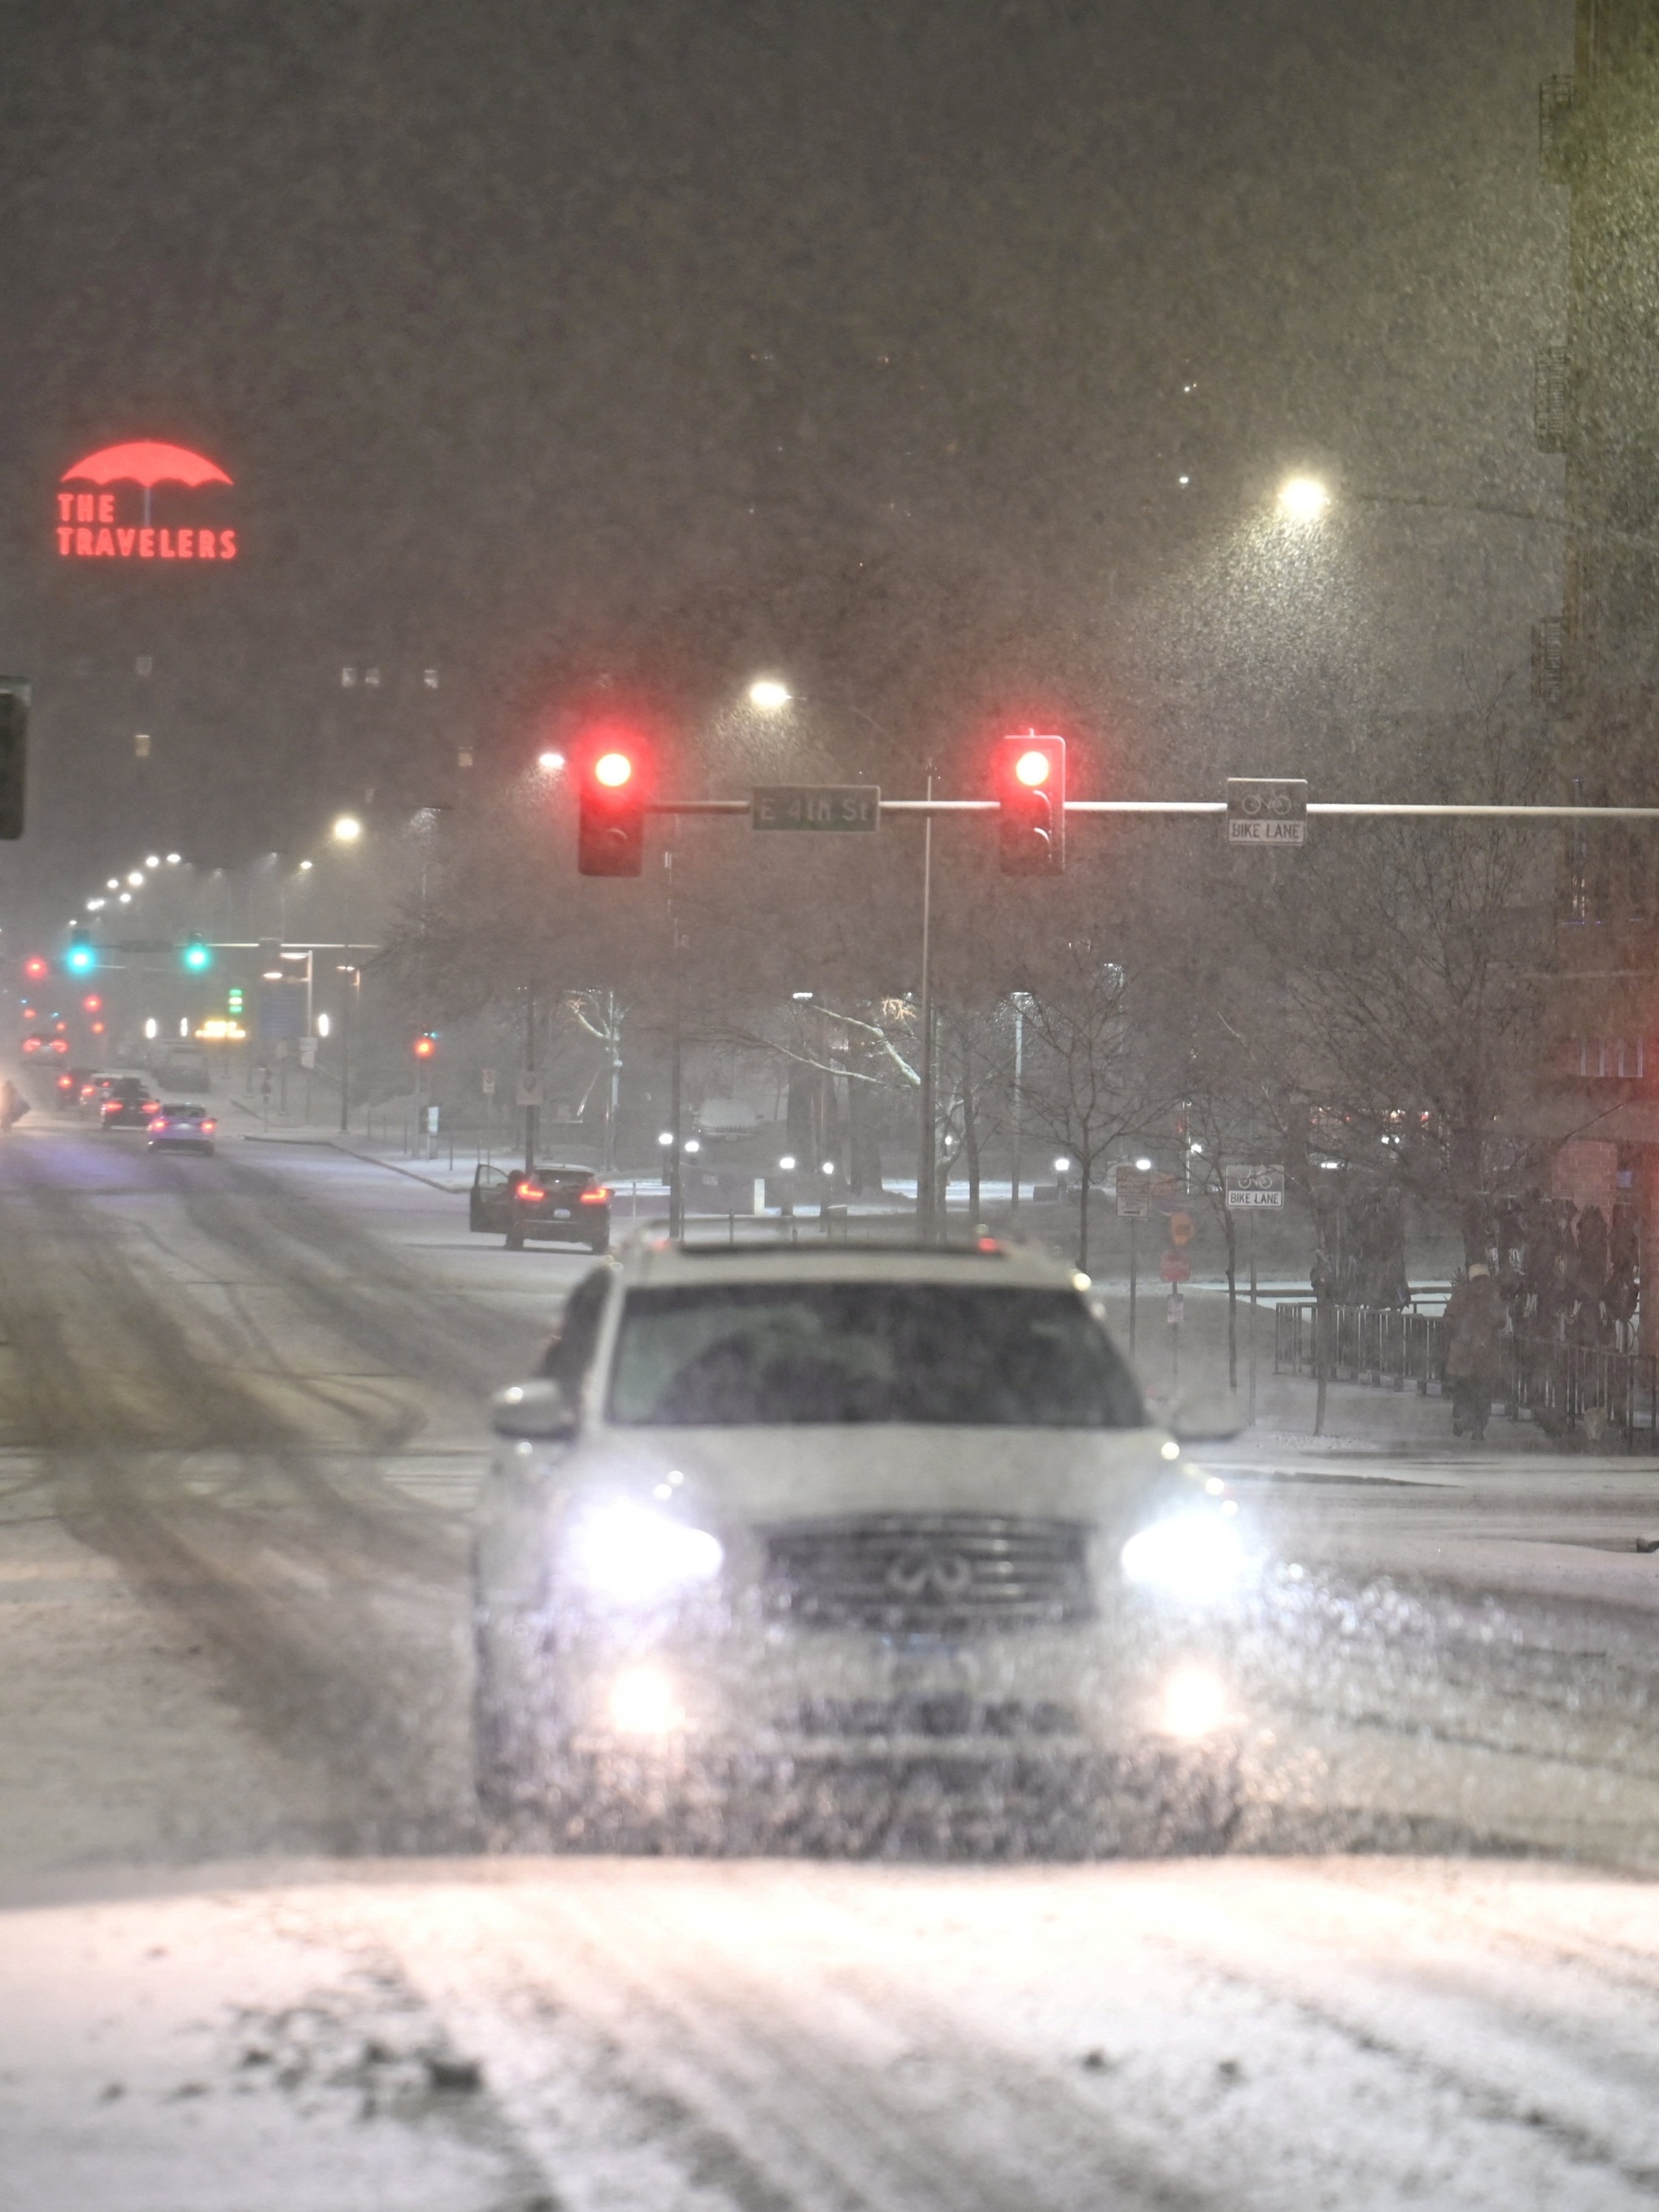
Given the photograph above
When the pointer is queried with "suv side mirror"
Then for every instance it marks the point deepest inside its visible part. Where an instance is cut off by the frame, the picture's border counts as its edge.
(540, 1412)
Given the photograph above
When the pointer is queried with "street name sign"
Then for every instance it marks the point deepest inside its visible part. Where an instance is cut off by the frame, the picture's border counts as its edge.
(816, 806)
(1250, 1187)
(1267, 809)
(1134, 1193)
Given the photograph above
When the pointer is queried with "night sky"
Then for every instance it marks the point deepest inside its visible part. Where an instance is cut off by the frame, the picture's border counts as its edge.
(668, 341)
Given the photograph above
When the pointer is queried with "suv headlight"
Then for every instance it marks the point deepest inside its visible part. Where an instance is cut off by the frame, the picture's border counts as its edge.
(1192, 1556)
(627, 1554)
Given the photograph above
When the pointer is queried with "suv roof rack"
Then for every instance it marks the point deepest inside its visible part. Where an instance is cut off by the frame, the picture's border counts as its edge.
(753, 1234)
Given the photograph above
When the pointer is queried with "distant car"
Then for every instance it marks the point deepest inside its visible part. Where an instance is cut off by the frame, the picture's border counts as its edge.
(176, 1126)
(99, 1084)
(127, 1105)
(554, 1204)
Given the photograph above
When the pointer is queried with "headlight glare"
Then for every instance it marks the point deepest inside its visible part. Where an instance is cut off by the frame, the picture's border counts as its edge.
(626, 1554)
(1193, 1557)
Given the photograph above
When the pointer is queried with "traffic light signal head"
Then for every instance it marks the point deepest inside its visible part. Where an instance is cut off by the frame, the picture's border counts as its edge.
(13, 752)
(611, 779)
(196, 954)
(36, 968)
(1030, 778)
(425, 1045)
(234, 999)
(83, 955)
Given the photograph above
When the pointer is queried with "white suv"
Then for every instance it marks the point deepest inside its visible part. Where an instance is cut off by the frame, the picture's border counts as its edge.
(858, 1547)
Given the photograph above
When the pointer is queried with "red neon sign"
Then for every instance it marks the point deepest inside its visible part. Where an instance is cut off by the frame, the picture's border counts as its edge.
(90, 527)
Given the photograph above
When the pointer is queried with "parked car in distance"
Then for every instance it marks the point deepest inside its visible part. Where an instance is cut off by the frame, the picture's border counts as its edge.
(184, 1067)
(555, 1203)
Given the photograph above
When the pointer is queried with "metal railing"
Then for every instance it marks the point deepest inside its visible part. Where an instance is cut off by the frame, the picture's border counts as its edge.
(1590, 1389)
(1388, 1345)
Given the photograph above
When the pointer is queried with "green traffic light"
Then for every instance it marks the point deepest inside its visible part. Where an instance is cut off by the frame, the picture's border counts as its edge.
(198, 956)
(80, 959)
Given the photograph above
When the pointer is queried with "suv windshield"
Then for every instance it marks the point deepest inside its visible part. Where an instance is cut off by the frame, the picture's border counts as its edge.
(738, 1354)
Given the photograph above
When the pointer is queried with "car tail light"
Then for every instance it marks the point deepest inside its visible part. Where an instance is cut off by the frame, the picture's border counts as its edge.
(112, 1105)
(150, 1106)
(66, 1083)
(531, 1192)
(210, 1125)
(599, 1197)
(162, 1123)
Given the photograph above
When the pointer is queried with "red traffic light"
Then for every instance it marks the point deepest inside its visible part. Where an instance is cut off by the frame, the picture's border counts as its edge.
(1031, 781)
(613, 772)
(425, 1045)
(36, 967)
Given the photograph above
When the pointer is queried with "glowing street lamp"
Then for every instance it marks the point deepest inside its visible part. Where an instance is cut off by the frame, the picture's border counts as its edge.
(768, 695)
(1303, 499)
(348, 829)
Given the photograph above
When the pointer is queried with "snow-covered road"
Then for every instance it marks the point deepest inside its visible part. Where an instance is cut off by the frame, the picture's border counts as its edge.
(1353, 2034)
(239, 1436)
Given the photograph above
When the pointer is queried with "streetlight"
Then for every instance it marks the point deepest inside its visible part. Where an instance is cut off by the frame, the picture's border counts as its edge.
(1303, 499)
(768, 695)
(550, 763)
(346, 831)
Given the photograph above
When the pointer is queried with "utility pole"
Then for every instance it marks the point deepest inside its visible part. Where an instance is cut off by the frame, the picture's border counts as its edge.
(677, 1150)
(927, 1144)
(1020, 1101)
(532, 1112)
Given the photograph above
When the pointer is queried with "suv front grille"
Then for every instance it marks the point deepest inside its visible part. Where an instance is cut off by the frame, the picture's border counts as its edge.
(930, 1574)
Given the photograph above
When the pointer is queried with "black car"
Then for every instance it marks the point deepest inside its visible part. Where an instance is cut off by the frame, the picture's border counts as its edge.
(553, 1203)
(128, 1105)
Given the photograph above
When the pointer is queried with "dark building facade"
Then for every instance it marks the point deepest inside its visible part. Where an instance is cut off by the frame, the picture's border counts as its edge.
(1596, 665)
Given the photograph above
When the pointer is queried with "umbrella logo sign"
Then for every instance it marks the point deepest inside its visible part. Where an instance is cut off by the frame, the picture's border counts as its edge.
(99, 524)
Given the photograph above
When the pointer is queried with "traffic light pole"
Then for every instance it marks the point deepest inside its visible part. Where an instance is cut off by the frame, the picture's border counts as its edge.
(932, 808)
(929, 808)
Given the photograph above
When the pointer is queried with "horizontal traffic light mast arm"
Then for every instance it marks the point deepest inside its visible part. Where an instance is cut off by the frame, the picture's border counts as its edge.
(942, 807)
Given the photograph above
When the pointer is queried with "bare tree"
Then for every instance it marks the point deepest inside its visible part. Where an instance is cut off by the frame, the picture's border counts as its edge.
(1089, 1079)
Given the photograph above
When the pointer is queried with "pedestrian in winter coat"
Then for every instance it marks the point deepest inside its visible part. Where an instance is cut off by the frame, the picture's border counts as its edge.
(1474, 1321)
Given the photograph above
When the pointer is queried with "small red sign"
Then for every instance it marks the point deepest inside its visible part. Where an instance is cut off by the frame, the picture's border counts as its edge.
(1176, 1267)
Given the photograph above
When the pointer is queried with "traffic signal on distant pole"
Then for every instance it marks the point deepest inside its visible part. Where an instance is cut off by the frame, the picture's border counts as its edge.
(1030, 785)
(611, 792)
(81, 957)
(197, 953)
(13, 752)
(425, 1045)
